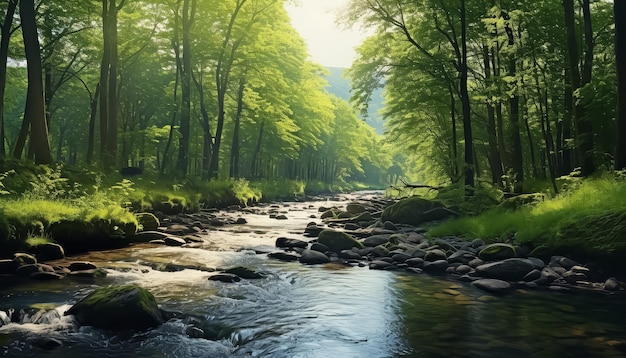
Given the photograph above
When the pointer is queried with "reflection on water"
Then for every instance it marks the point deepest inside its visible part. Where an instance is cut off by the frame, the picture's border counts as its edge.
(301, 311)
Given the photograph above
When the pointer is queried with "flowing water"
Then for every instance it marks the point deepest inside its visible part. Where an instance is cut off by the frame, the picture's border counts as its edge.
(306, 311)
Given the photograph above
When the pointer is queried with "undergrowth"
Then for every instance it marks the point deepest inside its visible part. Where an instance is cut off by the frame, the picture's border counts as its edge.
(589, 215)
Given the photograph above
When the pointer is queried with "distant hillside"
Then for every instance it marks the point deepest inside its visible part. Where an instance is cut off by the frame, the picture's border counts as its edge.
(340, 87)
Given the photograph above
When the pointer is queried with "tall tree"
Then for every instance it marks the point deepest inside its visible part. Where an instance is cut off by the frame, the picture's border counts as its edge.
(619, 8)
(188, 16)
(35, 111)
(4, 53)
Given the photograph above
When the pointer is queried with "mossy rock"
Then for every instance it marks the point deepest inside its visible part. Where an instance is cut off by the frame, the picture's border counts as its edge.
(148, 221)
(80, 236)
(497, 251)
(118, 308)
(48, 251)
(411, 211)
(337, 241)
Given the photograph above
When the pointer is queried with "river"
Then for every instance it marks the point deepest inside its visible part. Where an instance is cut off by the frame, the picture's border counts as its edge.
(308, 311)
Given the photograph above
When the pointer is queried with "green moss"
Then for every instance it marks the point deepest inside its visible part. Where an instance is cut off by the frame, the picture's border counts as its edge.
(337, 241)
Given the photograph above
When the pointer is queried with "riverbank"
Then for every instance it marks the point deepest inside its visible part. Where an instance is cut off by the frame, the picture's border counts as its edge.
(360, 233)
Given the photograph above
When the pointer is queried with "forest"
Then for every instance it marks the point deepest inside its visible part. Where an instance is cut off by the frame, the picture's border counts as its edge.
(206, 89)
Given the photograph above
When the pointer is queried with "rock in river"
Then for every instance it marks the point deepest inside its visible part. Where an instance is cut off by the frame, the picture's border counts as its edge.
(509, 269)
(337, 241)
(118, 308)
(312, 257)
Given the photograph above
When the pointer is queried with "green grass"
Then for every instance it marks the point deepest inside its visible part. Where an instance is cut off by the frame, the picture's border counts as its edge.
(590, 217)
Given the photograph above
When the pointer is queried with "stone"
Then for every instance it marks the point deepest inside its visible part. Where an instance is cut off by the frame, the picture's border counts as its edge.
(194, 332)
(355, 208)
(283, 242)
(349, 255)
(438, 266)
(24, 259)
(497, 251)
(363, 217)
(225, 277)
(476, 243)
(147, 221)
(379, 251)
(409, 211)
(573, 277)
(81, 266)
(434, 255)
(611, 284)
(400, 257)
(532, 276)
(174, 241)
(94, 273)
(147, 236)
(492, 285)
(476, 262)
(415, 262)
(509, 270)
(461, 256)
(337, 241)
(537, 262)
(177, 229)
(548, 274)
(319, 247)
(283, 256)
(311, 257)
(48, 251)
(118, 308)
(244, 272)
(27, 270)
(388, 225)
(313, 230)
(381, 265)
(463, 270)
(375, 240)
(564, 262)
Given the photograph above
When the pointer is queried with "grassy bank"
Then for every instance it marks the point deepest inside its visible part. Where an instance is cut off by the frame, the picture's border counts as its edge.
(589, 218)
(35, 201)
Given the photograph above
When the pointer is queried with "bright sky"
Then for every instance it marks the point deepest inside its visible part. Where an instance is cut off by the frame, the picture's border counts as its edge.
(328, 43)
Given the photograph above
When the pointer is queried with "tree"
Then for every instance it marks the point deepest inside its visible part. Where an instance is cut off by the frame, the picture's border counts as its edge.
(35, 112)
(619, 8)
(4, 53)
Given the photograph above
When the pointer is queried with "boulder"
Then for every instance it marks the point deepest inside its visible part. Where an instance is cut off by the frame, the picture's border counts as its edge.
(375, 240)
(461, 256)
(434, 255)
(48, 251)
(409, 211)
(147, 221)
(349, 255)
(24, 259)
(319, 247)
(381, 265)
(118, 308)
(355, 208)
(337, 241)
(174, 241)
(225, 277)
(497, 251)
(509, 270)
(244, 272)
(492, 285)
(312, 257)
(435, 267)
(283, 256)
(283, 242)
(147, 236)
(81, 266)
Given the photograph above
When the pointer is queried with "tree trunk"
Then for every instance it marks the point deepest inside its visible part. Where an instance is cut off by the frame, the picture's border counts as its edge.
(495, 162)
(455, 152)
(185, 112)
(4, 54)
(584, 134)
(619, 8)
(234, 148)
(35, 112)
(254, 166)
(465, 104)
(92, 124)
